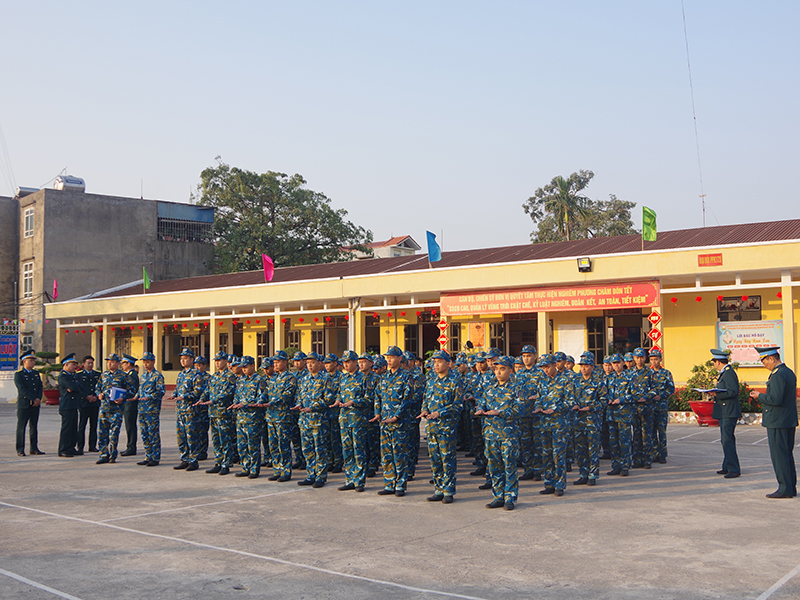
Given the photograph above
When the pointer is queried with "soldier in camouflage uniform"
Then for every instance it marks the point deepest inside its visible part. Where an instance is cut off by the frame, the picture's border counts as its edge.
(620, 418)
(335, 457)
(498, 407)
(267, 371)
(188, 389)
(441, 409)
(201, 364)
(110, 410)
(131, 407)
(249, 407)
(151, 391)
(217, 397)
(281, 389)
(590, 399)
(529, 439)
(417, 379)
(608, 369)
(641, 393)
(300, 372)
(663, 388)
(393, 398)
(373, 428)
(482, 378)
(555, 399)
(313, 404)
(465, 419)
(355, 409)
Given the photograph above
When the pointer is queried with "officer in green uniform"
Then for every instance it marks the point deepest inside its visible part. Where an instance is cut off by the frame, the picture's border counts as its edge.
(90, 406)
(69, 387)
(29, 397)
(780, 419)
(727, 410)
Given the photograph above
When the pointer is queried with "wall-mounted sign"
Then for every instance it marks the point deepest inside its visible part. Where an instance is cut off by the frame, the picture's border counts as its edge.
(638, 294)
(709, 260)
(742, 337)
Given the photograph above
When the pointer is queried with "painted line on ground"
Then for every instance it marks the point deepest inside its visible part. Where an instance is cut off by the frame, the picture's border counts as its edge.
(780, 583)
(38, 586)
(271, 559)
(758, 442)
(688, 436)
(158, 512)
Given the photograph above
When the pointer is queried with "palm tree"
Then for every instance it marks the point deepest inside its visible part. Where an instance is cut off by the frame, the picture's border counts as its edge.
(565, 204)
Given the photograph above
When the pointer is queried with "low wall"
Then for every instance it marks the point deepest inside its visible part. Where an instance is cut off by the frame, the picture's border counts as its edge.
(690, 418)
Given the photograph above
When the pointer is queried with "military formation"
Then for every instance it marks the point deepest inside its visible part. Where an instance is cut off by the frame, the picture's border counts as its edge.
(532, 414)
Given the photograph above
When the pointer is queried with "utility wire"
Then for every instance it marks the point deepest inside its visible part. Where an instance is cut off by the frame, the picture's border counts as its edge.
(694, 115)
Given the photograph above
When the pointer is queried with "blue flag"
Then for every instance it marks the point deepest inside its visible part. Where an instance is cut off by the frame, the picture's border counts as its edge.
(434, 251)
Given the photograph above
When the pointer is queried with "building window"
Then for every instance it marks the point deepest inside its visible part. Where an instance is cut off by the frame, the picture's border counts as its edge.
(291, 340)
(192, 342)
(455, 338)
(497, 336)
(736, 308)
(318, 341)
(411, 339)
(179, 230)
(596, 334)
(27, 280)
(27, 342)
(262, 345)
(223, 343)
(28, 222)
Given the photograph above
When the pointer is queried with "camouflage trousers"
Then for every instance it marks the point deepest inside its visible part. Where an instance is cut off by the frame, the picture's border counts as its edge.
(188, 430)
(412, 445)
(354, 453)
(501, 459)
(249, 428)
(108, 432)
(527, 451)
(660, 420)
(643, 434)
(620, 417)
(294, 438)
(394, 455)
(316, 449)
(570, 423)
(280, 448)
(587, 449)
(223, 436)
(373, 446)
(464, 439)
(335, 456)
(555, 430)
(478, 446)
(204, 424)
(266, 453)
(442, 451)
(149, 426)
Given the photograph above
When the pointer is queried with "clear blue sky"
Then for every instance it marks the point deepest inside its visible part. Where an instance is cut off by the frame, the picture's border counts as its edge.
(413, 115)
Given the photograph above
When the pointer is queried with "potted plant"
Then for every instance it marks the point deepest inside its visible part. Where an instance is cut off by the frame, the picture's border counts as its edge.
(49, 372)
(704, 376)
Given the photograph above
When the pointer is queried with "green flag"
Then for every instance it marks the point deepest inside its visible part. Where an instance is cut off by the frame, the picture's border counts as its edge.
(648, 224)
(146, 279)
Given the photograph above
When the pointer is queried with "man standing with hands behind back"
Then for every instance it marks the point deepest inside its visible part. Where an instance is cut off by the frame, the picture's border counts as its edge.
(29, 398)
(780, 419)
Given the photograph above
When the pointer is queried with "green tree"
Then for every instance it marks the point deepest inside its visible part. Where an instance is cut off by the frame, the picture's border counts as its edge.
(561, 212)
(274, 214)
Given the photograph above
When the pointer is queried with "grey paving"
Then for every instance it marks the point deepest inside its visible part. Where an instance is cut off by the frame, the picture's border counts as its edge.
(123, 531)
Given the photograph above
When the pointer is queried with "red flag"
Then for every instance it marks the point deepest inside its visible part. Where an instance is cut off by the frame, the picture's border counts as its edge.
(55, 289)
(269, 268)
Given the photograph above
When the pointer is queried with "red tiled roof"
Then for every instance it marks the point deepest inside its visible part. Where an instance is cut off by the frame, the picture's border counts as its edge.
(722, 235)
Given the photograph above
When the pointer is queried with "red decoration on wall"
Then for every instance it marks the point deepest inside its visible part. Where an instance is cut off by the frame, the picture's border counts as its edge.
(698, 299)
(258, 321)
(131, 327)
(235, 322)
(328, 319)
(674, 300)
(83, 331)
(206, 324)
(376, 315)
(390, 315)
(403, 314)
(283, 320)
(185, 325)
(221, 323)
(140, 327)
(301, 319)
(66, 331)
(272, 320)
(91, 331)
(419, 312)
(149, 326)
(347, 317)
(100, 328)
(744, 298)
(780, 294)
(196, 325)
(248, 321)
(720, 298)
(316, 319)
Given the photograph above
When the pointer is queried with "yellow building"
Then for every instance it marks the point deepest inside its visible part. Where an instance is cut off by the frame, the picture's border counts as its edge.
(731, 282)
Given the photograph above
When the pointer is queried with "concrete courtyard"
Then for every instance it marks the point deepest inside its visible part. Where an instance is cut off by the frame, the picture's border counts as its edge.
(73, 529)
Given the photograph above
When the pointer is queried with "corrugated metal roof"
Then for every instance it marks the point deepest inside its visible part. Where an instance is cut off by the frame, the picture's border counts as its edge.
(722, 235)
